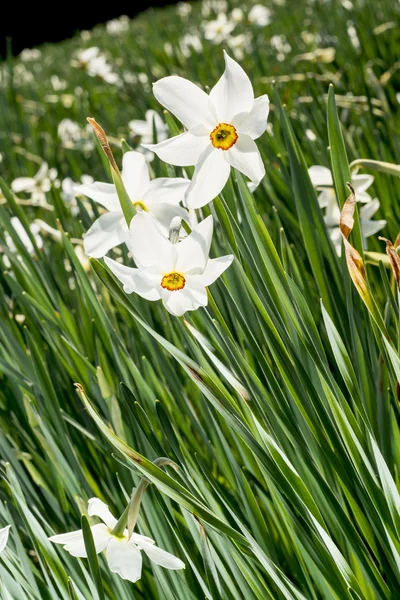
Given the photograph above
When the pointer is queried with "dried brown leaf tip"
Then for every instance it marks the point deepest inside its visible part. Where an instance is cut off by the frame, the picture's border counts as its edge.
(353, 259)
(102, 137)
(394, 258)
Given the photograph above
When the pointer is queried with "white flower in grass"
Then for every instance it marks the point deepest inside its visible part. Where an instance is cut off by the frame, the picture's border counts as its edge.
(367, 224)
(4, 533)
(23, 236)
(218, 30)
(159, 197)
(123, 554)
(69, 191)
(38, 185)
(144, 128)
(221, 128)
(178, 274)
(259, 15)
(322, 180)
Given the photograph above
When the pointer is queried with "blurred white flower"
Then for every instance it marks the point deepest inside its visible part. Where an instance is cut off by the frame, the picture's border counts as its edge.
(190, 42)
(38, 185)
(311, 135)
(57, 84)
(178, 274)
(217, 31)
(123, 553)
(95, 63)
(213, 6)
(259, 15)
(240, 45)
(183, 9)
(4, 533)
(221, 129)
(23, 236)
(144, 128)
(352, 33)
(321, 178)
(159, 197)
(237, 15)
(30, 54)
(69, 191)
(117, 26)
(69, 132)
(281, 45)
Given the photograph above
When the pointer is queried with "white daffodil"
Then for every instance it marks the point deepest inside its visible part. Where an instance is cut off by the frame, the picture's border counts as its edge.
(221, 128)
(322, 180)
(259, 15)
(368, 226)
(178, 274)
(38, 185)
(23, 236)
(4, 533)
(218, 30)
(159, 197)
(144, 128)
(123, 554)
(69, 191)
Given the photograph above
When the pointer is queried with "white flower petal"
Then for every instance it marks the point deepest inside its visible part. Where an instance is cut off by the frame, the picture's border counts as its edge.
(164, 213)
(98, 508)
(147, 244)
(178, 302)
(134, 280)
(192, 252)
(74, 544)
(368, 210)
(185, 100)
(320, 176)
(137, 538)
(23, 184)
(4, 533)
(135, 174)
(182, 150)
(166, 189)
(162, 557)
(209, 178)
(196, 288)
(254, 123)
(125, 559)
(362, 182)
(327, 197)
(103, 193)
(233, 93)
(245, 157)
(107, 231)
(369, 228)
(214, 269)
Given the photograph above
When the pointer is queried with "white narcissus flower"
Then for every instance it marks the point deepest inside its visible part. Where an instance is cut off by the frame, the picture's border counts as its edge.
(259, 15)
(69, 191)
(38, 185)
(23, 236)
(159, 197)
(178, 274)
(123, 554)
(217, 31)
(321, 178)
(4, 533)
(144, 129)
(221, 128)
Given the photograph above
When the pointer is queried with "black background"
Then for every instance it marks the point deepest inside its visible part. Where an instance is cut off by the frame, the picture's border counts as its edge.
(32, 23)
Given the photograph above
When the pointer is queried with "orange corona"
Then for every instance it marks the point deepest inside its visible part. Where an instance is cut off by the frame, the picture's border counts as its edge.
(173, 281)
(224, 136)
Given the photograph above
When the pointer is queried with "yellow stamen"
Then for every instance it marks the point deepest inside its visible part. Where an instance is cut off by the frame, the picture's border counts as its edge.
(224, 136)
(141, 205)
(173, 281)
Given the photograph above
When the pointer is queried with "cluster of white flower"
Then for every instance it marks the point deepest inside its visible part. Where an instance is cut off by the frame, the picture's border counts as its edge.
(95, 63)
(321, 178)
(72, 135)
(220, 30)
(118, 26)
(30, 54)
(37, 186)
(220, 131)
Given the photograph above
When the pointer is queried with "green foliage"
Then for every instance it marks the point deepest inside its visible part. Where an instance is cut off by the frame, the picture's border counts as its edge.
(277, 406)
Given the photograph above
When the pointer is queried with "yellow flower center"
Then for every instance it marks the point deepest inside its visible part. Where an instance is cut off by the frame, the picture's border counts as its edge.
(141, 205)
(224, 136)
(173, 281)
